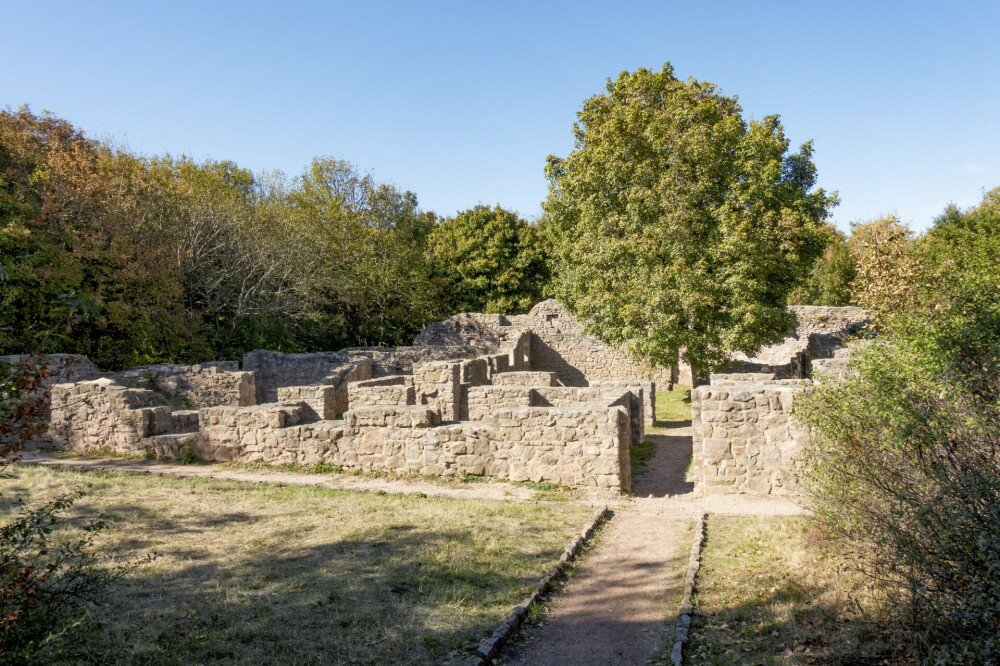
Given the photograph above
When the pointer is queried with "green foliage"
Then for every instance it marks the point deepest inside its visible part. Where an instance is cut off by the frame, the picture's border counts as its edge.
(134, 261)
(907, 450)
(489, 260)
(679, 227)
(830, 280)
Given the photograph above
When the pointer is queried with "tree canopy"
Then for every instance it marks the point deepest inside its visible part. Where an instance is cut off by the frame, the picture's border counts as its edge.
(677, 225)
(489, 260)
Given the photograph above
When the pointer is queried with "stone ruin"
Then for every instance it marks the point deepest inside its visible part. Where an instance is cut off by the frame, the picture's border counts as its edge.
(526, 398)
(745, 438)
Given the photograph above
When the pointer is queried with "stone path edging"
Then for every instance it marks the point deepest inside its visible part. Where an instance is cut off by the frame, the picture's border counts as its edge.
(489, 648)
(686, 609)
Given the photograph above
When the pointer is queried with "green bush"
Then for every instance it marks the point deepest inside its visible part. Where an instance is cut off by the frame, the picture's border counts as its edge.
(49, 583)
(906, 454)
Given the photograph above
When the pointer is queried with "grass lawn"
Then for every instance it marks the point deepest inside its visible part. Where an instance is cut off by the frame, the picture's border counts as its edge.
(673, 405)
(261, 574)
(768, 593)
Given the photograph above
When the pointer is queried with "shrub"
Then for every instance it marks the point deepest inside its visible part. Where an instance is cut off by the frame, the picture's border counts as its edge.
(48, 583)
(906, 467)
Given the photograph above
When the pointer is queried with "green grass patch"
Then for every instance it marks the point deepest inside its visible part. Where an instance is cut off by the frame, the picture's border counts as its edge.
(673, 405)
(260, 573)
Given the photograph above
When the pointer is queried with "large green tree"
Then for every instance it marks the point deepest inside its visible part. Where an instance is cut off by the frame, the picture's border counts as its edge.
(489, 260)
(678, 226)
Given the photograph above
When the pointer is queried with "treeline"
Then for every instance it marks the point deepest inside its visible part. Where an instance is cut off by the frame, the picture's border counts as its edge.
(135, 260)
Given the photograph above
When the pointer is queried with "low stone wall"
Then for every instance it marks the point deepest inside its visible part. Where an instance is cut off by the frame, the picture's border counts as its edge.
(745, 438)
(320, 401)
(100, 415)
(526, 378)
(439, 386)
(401, 360)
(273, 370)
(585, 445)
(202, 385)
(382, 391)
(483, 401)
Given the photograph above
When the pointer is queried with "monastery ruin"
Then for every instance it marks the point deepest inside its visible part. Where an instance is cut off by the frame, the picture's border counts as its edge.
(526, 397)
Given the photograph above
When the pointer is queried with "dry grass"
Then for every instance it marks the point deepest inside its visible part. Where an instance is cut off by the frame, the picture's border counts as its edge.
(769, 592)
(262, 574)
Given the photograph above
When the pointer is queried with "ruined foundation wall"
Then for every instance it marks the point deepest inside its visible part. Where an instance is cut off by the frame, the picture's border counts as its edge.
(194, 386)
(101, 415)
(273, 370)
(745, 438)
(581, 446)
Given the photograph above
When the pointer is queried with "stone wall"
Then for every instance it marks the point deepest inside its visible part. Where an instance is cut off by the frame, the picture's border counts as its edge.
(582, 445)
(548, 339)
(273, 370)
(194, 386)
(819, 331)
(394, 390)
(526, 378)
(401, 360)
(320, 401)
(483, 401)
(745, 438)
(439, 386)
(100, 415)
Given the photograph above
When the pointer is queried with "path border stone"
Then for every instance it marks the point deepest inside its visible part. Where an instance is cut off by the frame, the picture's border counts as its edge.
(681, 630)
(491, 646)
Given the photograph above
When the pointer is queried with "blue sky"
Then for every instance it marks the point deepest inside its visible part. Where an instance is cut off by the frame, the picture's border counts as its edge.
(462, 101)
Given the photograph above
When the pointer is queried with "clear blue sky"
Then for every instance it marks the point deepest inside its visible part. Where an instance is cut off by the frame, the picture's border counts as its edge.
(462, 101)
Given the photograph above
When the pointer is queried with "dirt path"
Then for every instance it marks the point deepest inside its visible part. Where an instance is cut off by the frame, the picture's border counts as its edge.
(614, 609)
(480, 490)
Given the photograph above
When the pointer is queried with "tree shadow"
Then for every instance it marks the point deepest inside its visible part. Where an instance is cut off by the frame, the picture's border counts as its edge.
(391, 596)
(789, 624)
(665, 473)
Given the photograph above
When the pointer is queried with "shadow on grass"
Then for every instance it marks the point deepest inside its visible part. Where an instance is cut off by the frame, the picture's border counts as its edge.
(769, 594)
(393, 596)
(787, 625)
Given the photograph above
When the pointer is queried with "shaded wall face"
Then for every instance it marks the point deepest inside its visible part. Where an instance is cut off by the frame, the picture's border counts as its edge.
(579, 360)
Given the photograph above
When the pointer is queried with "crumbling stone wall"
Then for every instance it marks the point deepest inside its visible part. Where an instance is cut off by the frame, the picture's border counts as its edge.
(548, 338)
(320, 401)
(382, 391)
(100, 415)
(746, 439)
(202, 385)
(526, 378)
(584, 445)
(439, 386)
(273, 370)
